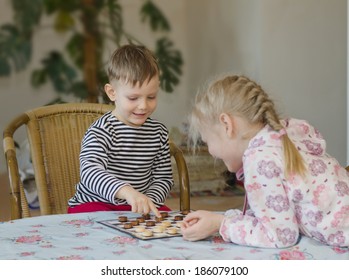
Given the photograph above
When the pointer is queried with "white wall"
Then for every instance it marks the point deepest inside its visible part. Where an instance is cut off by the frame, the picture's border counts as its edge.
(295, 48)
(303, 63)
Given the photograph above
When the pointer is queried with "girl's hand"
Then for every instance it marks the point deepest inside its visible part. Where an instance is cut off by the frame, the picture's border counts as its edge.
(139, 202)
(200, 225)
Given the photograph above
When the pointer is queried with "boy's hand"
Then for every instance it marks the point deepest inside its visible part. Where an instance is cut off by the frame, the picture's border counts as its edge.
(139, 202)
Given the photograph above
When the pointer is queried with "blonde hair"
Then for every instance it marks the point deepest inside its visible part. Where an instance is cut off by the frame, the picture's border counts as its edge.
(132, 64)
(238, 95)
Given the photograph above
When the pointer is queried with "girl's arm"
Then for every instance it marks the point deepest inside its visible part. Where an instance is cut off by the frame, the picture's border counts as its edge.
(270, 221)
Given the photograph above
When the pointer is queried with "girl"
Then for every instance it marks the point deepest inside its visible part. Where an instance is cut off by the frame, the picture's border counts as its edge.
(292, 185)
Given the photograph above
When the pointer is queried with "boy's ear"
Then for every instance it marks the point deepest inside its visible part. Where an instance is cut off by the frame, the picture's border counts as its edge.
(228, 123)
(109, 90)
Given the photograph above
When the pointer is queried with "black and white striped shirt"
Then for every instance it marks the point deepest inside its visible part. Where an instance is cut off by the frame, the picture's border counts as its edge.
(114, 154)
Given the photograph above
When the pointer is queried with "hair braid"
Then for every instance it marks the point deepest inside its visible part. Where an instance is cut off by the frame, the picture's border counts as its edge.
(266, 113)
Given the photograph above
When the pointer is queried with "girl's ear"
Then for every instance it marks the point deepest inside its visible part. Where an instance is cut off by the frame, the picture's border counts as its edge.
(228, 123)
(109, 90)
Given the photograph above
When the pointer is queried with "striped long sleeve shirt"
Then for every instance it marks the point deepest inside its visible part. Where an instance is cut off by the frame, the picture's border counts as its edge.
(114, 154)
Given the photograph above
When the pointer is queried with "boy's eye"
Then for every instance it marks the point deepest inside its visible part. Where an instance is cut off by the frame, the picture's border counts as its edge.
(151, 97)
(132, 98)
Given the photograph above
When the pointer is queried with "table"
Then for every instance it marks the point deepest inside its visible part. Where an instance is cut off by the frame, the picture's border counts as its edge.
(80, 236)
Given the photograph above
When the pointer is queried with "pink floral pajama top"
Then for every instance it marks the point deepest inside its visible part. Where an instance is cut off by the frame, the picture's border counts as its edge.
(280, 209)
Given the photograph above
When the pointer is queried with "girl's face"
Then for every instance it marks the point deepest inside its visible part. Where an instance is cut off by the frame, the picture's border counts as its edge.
(133, 104)
(223, 147)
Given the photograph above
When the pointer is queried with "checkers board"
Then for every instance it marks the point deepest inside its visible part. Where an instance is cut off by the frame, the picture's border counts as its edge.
(148, 226)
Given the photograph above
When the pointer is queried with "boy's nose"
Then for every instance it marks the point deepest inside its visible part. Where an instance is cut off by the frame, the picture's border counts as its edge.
(142, 104)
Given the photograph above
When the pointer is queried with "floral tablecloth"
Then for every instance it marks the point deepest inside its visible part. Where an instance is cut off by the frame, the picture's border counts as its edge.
(80, 236)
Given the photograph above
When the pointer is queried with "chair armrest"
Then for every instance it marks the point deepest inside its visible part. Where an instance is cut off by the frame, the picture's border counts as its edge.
(19, 204)
(183, 175)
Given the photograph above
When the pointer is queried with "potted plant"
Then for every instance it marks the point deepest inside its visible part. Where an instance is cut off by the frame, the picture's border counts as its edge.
(90, 23)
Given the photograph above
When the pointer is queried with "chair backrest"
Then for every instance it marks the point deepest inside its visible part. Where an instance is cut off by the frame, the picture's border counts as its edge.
(55, 133)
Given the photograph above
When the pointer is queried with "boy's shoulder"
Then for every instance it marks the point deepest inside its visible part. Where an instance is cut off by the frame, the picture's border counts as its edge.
(155, 124)
(102, 122)
(108, 121)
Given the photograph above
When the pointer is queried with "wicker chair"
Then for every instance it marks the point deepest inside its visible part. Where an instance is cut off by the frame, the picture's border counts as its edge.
(55, 133)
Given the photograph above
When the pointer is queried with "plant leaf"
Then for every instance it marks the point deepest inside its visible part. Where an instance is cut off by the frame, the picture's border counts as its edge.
(27, 14)
(63, 21)
(5, 68)
(115, 19)
(74, 48)
(79, 89)
(58, 72)
(38, 77)
(156, 18)
(52, 6)
(170, 62)
(15, 50)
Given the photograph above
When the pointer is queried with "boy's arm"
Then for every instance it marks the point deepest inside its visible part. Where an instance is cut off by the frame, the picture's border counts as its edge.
(93, 168)
(162, 175)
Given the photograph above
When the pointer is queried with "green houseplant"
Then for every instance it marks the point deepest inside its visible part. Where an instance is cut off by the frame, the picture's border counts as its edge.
(79, 68)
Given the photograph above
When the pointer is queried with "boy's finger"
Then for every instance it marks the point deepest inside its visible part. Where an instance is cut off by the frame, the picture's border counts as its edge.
(155, 210)
(134, 208)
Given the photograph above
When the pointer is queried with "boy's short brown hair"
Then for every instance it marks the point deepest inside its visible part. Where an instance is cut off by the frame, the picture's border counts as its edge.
(132, 64)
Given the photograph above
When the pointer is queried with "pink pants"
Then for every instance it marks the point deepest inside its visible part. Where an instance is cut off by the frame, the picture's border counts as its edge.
(101, 206)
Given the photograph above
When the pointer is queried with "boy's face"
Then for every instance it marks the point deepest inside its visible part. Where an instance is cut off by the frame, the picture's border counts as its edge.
(133, 104)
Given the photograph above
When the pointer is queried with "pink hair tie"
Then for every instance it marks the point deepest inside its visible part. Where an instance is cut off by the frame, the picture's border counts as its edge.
(282, 132)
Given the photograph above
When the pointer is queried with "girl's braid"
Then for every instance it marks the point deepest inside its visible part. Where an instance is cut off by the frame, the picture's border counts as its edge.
(265, 112)
(265, 109)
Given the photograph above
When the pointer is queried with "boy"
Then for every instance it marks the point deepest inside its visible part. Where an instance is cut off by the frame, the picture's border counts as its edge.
(125, 161)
